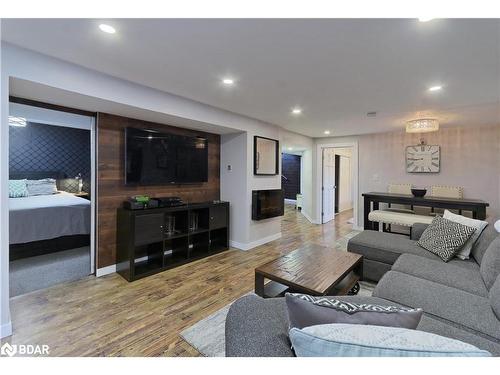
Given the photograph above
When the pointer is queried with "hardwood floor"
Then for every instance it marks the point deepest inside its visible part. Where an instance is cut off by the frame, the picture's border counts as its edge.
(108, 316)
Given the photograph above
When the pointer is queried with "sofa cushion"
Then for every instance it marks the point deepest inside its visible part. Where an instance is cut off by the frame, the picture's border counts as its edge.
(385, 247)
(495, 297)
(355, 340)
(304, 311)
(447, 329)
(484, 240)
(467, 279)
(445, 238)
(455, 305)
(490, 265)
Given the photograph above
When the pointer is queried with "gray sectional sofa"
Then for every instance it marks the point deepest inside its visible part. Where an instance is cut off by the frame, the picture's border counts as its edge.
(460, 299)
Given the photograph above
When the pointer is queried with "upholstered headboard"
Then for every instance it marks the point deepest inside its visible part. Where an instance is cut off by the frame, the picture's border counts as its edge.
(37, 175)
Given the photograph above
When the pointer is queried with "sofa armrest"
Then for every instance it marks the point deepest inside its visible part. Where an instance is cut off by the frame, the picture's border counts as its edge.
(417, 229)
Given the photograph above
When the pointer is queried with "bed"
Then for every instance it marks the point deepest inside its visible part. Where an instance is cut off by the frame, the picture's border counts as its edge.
(47, 223)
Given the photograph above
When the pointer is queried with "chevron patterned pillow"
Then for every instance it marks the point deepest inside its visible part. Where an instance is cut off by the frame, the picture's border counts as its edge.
(445, 238)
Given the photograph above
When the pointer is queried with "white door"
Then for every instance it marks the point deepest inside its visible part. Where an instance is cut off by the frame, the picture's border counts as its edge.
(328, 187)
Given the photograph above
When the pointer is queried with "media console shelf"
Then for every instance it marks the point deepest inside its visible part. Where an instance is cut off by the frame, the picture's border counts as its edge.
(154, 240)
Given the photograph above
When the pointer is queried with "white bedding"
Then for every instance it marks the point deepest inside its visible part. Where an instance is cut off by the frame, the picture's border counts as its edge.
(45, 217)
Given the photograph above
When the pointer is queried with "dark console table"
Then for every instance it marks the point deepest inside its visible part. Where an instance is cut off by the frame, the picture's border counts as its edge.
(144, 247)
(476, 206)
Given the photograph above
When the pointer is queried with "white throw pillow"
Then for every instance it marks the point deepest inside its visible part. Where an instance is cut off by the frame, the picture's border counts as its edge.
(464, 252)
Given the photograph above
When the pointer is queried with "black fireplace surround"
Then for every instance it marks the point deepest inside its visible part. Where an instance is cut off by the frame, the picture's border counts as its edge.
(267, 204)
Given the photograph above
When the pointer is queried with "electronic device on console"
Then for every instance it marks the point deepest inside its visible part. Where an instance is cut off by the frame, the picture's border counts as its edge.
(140, 202)
(169, 202)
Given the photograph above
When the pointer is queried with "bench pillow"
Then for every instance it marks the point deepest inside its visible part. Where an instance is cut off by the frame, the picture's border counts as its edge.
(354, 340)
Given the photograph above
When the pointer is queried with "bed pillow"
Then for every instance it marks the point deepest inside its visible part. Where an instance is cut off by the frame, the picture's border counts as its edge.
(354, 340)
(444, 237)
(17, 189)
(305, 310)
(45, 186)
(479, 225)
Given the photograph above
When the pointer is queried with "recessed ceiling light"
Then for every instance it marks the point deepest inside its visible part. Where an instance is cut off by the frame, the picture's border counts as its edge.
(228, 81)
(107, 28)
(296, 111)
(425, 19)
(327, 132)
(290, 148)
(435, 88)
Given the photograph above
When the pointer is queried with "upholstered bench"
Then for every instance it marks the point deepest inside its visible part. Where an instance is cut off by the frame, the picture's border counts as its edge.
(405, 219)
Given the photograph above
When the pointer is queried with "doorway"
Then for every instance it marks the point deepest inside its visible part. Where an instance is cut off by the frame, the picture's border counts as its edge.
(291, 179)
(337, 166)
(51, 160)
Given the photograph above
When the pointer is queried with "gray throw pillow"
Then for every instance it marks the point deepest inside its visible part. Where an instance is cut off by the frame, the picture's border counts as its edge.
(445, 238)
(490, 266)
(305, 311)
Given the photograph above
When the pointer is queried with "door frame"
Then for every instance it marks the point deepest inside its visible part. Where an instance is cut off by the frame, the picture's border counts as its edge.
(354, 178)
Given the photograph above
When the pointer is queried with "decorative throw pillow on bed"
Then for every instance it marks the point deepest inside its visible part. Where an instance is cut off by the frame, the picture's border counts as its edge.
(305, 310)
(444, 237)
(17, 189)
(479, 225)
(45, 186)
(354, 340)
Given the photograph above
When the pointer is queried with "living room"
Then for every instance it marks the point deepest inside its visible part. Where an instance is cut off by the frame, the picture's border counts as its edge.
(198, 249)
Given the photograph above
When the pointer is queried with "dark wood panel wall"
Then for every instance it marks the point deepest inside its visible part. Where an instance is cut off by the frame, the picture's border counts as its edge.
(290, 169)
(112, 190)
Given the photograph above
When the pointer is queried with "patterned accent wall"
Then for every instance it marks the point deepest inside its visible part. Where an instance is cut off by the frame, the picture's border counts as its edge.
(40, 147)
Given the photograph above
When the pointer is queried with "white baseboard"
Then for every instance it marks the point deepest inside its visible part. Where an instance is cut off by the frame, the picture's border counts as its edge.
(5, 330)
(306, 215)
(105, 270)
(251, 245)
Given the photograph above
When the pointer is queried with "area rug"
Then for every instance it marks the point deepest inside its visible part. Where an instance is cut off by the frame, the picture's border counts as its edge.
(208, 335)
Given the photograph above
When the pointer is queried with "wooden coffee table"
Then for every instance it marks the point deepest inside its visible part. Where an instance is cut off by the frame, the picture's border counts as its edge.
(315, 270)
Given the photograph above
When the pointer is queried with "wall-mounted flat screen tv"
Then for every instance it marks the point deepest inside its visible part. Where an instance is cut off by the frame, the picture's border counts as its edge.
(155, 158)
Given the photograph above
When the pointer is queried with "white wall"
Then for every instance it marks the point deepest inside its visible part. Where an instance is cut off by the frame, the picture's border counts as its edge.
(44, 70)
(233, 183)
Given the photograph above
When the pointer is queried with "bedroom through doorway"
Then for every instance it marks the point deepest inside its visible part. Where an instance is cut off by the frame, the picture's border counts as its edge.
(51, 195)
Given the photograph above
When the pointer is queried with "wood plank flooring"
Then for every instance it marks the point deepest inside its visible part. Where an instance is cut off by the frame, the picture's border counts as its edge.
(108, 316)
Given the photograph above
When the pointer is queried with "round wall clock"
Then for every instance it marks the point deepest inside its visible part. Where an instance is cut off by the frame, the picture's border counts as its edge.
(423, 159)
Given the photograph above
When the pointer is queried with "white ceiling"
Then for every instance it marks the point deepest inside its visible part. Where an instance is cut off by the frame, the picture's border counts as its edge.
(336, 70)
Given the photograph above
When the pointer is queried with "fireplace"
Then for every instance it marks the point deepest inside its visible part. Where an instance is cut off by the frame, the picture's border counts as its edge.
(267, 204)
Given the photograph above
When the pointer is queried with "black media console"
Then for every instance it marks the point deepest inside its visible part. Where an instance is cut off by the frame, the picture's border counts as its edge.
(153, 240)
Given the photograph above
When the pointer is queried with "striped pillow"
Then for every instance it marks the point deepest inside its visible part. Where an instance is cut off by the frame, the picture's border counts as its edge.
(17, 189)
(45, 186)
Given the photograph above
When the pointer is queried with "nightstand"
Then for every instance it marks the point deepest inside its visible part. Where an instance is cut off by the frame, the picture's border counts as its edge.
(83, 194)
